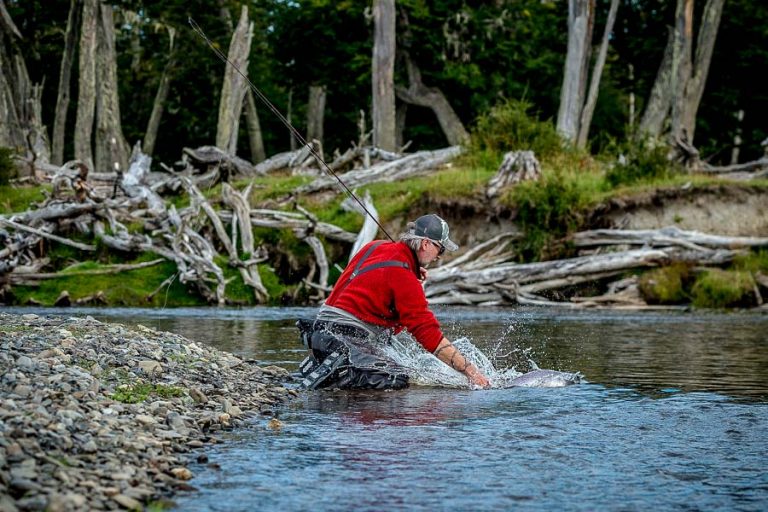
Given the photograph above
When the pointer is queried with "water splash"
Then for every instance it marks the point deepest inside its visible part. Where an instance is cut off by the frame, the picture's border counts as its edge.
(425, 369)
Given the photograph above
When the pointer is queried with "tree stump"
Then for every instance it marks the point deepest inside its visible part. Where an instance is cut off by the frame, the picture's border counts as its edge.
(517, 166)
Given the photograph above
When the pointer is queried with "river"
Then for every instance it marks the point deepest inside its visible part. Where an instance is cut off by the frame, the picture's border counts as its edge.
(673, 415)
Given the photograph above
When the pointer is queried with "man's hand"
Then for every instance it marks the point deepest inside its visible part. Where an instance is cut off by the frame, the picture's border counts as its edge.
(450, 355)
(477, 378)
(423, 272)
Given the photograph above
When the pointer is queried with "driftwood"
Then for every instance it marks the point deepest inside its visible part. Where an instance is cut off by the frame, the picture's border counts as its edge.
(668, 236)
(211, 155)
(29, 278)
(295, 221)
(248, 269)
(370, 223)
(518, 283)
(416, 164)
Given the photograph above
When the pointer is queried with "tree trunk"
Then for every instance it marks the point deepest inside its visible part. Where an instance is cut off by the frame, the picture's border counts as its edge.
(581, 19)
(21, 125)
(112, 150)
(234, 87)
(594, 85)
(153, 125)
(705, 44)
(315, 113)
(86, 94)
(65, 74)
(419, 94)
(255, 136)
(401, 114)
(11, 132)
(383, 70)
(660, 98)
(681, 65)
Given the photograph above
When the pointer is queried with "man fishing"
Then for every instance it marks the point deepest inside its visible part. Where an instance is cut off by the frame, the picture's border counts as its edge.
(379, 294)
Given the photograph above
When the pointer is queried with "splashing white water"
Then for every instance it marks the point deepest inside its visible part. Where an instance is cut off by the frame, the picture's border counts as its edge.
(425, 369)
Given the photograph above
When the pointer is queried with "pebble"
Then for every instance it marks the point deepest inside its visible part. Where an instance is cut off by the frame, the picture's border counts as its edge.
(76, 432)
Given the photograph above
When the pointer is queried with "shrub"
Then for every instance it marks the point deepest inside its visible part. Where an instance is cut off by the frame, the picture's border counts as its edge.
(7, 167)
(753, 262)
(509, 127)
(638, 161)
(717, 288)
(547, 210)
(665, 285)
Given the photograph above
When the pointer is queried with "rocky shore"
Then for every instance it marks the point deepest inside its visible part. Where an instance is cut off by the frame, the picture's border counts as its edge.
(97, 416)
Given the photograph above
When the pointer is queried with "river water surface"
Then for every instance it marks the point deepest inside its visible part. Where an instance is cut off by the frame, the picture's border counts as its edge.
(674, 415)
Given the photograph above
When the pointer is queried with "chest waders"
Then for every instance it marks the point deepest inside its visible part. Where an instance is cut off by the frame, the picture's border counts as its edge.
(330, 343)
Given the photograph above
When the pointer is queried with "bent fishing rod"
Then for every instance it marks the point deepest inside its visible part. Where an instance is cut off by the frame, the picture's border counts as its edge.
(285, 121)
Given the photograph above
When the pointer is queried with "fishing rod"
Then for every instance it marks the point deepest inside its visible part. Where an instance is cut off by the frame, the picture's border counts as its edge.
(285, 121)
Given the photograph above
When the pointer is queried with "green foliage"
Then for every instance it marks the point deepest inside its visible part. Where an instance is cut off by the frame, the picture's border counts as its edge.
(718, 288)
(129, 288)
(7, 168)
(509, 126)
(665, 285)
(15, 199)
(552, 207)
(140, 391)
(638, 162)
(753, 262)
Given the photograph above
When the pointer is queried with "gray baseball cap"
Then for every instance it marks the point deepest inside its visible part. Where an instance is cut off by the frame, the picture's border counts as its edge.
(433, 227)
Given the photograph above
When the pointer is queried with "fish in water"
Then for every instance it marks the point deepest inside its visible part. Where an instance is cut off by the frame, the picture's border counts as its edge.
(544, 379)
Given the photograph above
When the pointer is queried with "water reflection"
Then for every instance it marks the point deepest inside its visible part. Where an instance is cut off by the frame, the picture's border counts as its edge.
(657, 353)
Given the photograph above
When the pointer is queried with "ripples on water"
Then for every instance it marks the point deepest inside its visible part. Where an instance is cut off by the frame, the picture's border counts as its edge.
(675, 417)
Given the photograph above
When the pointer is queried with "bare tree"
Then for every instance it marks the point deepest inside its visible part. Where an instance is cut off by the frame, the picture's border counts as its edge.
(660, 98)
(384, 74)
(65, 74)
(253, 124)
(255, 136)
(680, 81)
(419, 94)
(158, 106)
(112, 150)
(21, 125)
(86, 94)
(234, 87)
(316, 113)
(581, 20)
(597, 72)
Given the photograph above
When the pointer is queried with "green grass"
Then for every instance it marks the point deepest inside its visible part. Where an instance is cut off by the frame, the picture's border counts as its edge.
(140, 391)
(665, 285)
(127, 288)
(719, 289)
(14, 199)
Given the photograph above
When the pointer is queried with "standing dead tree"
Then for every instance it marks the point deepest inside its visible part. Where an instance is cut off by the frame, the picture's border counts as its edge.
(234, 87)
(383, 71)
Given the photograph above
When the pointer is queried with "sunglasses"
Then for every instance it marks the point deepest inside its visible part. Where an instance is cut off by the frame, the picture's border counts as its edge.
(440, 248)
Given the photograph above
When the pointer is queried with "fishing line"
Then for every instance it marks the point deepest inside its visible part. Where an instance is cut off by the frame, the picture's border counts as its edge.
(287, 124)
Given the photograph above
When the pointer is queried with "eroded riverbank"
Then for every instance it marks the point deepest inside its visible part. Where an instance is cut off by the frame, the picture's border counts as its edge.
(99, 416)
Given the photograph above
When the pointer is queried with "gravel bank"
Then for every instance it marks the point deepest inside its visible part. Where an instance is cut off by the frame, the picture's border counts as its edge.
(97, 416)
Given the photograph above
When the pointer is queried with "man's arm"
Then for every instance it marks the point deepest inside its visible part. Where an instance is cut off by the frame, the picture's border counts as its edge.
(450, 355)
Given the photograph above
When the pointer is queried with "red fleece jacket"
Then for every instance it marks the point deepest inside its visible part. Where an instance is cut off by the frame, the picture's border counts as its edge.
(389, 296)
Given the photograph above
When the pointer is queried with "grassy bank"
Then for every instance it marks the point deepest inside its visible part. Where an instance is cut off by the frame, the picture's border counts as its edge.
(573, 183)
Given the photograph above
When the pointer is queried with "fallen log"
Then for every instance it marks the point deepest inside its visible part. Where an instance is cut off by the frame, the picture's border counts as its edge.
(44, 234)
(27, 277)
(517, 283)
(667, 236)
(294, 221)
(211, 155)
(416, 164)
